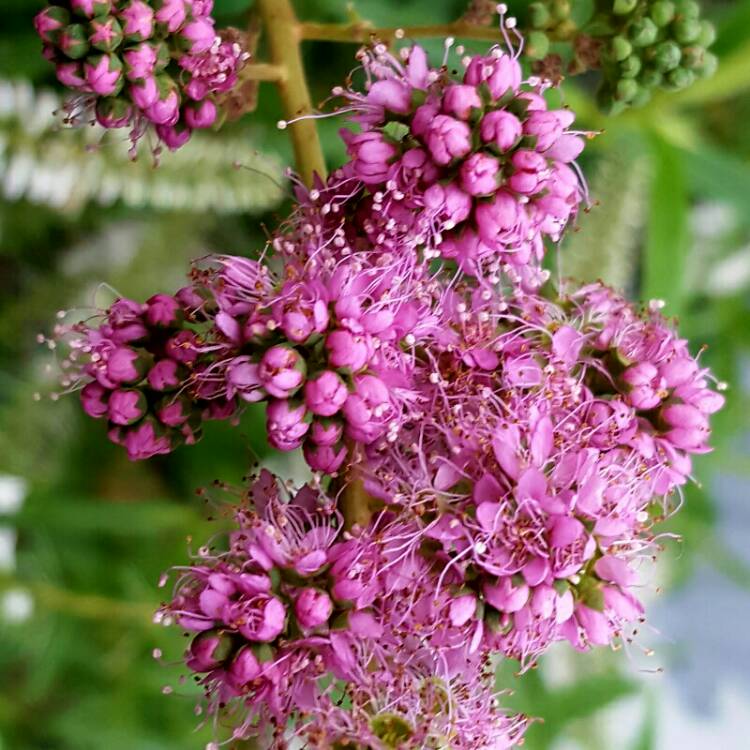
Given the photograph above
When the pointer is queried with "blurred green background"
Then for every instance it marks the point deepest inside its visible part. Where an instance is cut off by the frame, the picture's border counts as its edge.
(84, 534)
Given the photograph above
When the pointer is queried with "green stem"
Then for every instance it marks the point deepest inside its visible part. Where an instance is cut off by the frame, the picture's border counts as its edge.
(283, 30)
(363, 32)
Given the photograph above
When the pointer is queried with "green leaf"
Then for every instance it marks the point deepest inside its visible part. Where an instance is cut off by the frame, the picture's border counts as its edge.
(667, 236)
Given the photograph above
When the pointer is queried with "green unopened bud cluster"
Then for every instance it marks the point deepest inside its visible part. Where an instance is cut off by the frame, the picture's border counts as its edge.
(640, 45)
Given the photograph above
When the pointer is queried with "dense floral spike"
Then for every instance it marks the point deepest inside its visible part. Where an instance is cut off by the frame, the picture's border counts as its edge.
(476, 170)
(147, 65)
(287, 603)
(550, 437)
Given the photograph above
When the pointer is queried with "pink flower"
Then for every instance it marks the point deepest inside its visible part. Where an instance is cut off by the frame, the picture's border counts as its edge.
(501, 74)
(281, 371)
(390, 94)
(244, 667)
(163, 310)
(325, 394)
(70, 74)
(312, 608)
(448, 139)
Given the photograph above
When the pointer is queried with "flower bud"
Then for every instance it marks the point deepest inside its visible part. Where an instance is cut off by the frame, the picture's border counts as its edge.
(312, 608)
(324, 458)
(282, 371)
(480, 174)
(349, 350)
(165, 375)
(502, 128)
(623, 7)
(680, 78)
(94, 399)
(137, 20)
(538, 15)
(537, 45)
(140, 61)
(105, 34)
(630, 67)
(113, 112)
(686, 30)
(144, 92)
(103, 74)
(371, 154)
(286, 425)
(244, 667)
(242, 376)
(145, 440)
(198, 36)
(208, 650)
(667, 56)
(50, 21)
(173, 136)
(707, 34)
(124, 365)
(620, 48)
(325, 394)
(448, 139)
(662, 12)
(460, 99)
(171, 15)
(73, 41)
(643, 32)
(326, 432)
(90, 8)
(126, 406)
(165, 110)
(200, 115)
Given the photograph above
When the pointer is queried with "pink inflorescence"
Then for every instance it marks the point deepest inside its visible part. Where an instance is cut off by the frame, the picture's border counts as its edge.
(141, 63)
(290, 601)
(475, 170)
(551, 436)
(326, 344)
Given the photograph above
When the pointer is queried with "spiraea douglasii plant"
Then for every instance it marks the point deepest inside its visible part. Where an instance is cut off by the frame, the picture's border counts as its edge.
(490, 445)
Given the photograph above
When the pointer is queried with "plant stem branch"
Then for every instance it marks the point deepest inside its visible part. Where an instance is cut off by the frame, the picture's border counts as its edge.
(263, 72)
(282, 28)
(363, 32)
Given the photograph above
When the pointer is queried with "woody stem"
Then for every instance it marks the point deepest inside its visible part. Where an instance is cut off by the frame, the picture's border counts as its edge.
(283, 30)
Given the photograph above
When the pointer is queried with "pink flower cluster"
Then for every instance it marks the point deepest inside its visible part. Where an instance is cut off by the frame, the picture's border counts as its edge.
(288, 602)
(141, 63)
(477, 170)
(139, 366)
(550, 436)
